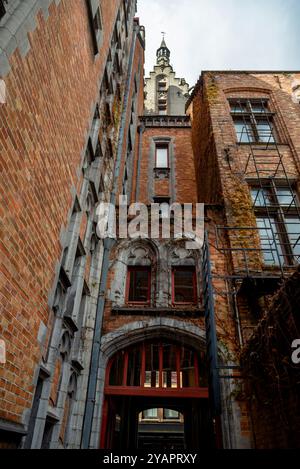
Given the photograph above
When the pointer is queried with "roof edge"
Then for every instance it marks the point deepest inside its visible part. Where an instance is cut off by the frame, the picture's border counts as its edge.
(234, 72)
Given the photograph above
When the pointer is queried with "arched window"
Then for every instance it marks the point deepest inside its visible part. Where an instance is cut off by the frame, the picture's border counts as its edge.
(141, 275)
(160, 364)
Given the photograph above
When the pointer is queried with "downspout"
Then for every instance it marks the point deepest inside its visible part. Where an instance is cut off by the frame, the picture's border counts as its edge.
(92, 383)
(141, 129)
(237, 316)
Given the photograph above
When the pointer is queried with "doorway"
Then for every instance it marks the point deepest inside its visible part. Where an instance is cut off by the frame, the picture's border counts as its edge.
(156, 397)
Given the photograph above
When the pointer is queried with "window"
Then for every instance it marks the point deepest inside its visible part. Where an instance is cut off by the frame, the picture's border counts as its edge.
(95, 24)
(184, 285)
(162, 110)
(159, 364)
(171, 414)
(95, 128)
(2, 8)
(278, 221)
(34, 409)
(162, 156)
(169, 370)
(159, 415)
(162, 85)
(270, 241)
(138, 285)
(150, 414)
(152, 365)
(164, 203)
(292, 225)
(253, 121)
(125, 183)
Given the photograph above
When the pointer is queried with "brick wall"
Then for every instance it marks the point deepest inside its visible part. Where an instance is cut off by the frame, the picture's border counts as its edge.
(181, 183)
(224, 173)
(43, 130)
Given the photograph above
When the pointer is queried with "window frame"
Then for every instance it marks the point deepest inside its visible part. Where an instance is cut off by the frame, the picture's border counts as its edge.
(122, 359)
(162, 146)
(3, 10)
(130, 270)
(94, 13)
(150, 419)
(195, 292)
(171, 419)
(278, 211)
(252, 119)
(163, 201)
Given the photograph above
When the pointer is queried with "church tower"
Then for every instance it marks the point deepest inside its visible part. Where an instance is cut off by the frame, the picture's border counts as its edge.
(165, 94)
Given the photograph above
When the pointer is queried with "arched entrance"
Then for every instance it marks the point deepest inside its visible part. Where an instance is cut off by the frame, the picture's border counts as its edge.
(156, 396)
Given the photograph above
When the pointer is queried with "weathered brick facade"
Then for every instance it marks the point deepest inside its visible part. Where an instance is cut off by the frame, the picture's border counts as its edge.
(245, 267)
(53, 172)
(74, 132)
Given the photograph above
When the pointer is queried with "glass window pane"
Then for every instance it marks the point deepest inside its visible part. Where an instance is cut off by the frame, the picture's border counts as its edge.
(238, 107)
(152, 366)
(162, 157)
(184, 287)
(293, 229)
(171, 414)
(187, 368)
(150, 414)
(134, 367)
(117, 370)
(259, 107)
(139, 285)
(244, 131)
(169, 366)
(286, 197)
(261, 197)
(270, 241)
(265, 131)
(203, 370)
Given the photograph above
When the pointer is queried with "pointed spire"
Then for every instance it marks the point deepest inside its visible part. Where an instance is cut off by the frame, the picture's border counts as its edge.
(163, 53)
(163, 42)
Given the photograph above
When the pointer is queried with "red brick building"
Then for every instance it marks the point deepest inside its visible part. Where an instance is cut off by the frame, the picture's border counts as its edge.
(69, 69)
(139, 343)
(245, 129)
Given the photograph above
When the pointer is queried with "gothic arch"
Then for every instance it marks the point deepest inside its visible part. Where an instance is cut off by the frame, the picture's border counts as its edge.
(149, 329)
(140, 252)
(136, 332)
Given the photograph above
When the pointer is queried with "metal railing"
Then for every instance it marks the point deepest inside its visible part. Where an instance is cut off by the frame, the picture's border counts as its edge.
(255, 250)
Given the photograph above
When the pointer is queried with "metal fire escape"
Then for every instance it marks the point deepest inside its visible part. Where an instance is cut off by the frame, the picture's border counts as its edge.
(277, 250)
(279, 247)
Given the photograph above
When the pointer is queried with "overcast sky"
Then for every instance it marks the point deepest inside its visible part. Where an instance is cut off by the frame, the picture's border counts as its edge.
(223, 34)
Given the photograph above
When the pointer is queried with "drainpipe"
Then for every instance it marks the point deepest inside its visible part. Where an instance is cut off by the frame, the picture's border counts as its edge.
(108, 243)
(237, 316)
(141, 129)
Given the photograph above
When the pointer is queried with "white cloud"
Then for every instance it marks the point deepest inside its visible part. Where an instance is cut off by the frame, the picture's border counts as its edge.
(218, 34)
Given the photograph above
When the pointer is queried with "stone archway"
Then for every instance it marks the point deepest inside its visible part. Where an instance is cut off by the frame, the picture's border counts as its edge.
(157, 327)
(133, 333)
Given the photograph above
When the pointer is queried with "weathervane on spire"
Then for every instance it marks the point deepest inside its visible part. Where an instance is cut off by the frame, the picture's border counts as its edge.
(163, 53)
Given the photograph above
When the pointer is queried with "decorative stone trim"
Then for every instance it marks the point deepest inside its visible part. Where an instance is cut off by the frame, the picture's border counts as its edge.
(162, 173)
(187, 313)
(166, 121)
(15, 25)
